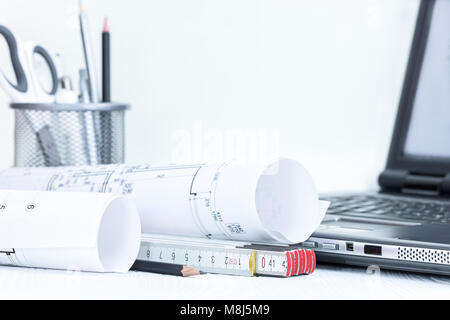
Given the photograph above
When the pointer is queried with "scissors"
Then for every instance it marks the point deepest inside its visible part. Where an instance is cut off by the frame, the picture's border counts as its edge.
(29, 87)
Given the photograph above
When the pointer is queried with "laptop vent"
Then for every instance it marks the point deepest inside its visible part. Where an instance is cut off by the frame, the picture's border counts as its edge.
(424, 255)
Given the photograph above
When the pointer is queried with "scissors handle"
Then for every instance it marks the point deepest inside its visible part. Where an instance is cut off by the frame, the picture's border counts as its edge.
(22, 84)
(51, 65)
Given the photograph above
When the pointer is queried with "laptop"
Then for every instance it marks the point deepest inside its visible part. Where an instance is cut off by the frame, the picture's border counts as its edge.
(406, 225)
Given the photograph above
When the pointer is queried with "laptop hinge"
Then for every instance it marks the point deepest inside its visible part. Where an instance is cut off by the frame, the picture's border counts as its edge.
(403, 181)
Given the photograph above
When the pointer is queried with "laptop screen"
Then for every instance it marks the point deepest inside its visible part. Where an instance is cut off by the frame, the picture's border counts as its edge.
(429, 128)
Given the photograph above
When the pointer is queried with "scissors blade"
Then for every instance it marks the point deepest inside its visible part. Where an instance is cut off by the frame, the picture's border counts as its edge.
(48, 147)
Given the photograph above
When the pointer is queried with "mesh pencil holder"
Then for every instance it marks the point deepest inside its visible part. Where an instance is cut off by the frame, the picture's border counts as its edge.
(53, 135)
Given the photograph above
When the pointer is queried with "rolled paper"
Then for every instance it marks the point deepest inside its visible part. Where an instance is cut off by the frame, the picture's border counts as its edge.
(71, 231)
(277, 202)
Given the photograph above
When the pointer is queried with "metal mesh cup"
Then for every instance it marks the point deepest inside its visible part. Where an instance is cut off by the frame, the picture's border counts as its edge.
(69, 134)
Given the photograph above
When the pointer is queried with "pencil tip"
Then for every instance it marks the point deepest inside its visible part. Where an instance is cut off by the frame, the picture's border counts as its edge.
(106, 25)
(189, 271)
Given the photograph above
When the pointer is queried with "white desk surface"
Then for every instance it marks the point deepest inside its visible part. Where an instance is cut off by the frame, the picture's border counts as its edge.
(327, 282)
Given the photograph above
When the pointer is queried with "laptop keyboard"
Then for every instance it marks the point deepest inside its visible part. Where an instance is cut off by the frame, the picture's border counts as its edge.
(381, 207)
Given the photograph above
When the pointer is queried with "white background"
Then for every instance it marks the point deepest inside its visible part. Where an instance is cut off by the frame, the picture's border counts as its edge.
(326, 282)
(315, 80)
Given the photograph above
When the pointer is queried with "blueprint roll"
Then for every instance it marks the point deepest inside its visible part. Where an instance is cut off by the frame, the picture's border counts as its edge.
(69, 231)
(280, 200)
(277, 202)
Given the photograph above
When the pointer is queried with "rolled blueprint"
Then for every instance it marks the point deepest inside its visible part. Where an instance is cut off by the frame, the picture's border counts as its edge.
(273, 203)
(70, 231)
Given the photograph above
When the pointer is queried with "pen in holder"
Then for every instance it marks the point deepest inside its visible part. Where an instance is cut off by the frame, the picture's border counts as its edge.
(53, 135)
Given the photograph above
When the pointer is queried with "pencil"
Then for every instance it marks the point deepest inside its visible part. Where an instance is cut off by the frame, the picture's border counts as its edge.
(106, 92)
(165, 268)
(106, 63)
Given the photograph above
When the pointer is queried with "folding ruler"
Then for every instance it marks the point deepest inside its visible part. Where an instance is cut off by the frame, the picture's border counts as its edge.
(226, 257)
